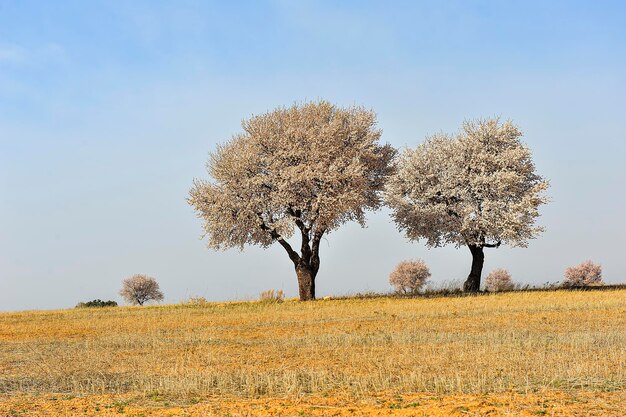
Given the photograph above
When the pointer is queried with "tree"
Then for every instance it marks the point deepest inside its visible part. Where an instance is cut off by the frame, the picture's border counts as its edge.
(140, 288)
(478, 188)
(409, 276)
(307, 168)
(499, 280)
(585, 274)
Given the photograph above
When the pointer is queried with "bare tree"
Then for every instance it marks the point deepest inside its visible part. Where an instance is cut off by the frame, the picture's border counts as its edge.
(140, 288)
(585, 274)
(478, 188)
(308, 168)
(409, 276)
(499, 280)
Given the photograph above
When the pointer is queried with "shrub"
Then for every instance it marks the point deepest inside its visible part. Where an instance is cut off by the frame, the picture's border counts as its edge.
(585, 274)
(409, 276)
(499, 280)
(140, 288)
(197, 301)
(96, 303)
(272, 296)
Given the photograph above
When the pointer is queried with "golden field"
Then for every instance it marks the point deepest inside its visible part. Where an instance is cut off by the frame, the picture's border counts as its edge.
(523, 353)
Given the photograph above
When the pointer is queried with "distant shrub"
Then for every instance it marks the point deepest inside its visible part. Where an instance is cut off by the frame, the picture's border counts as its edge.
(139, 289)
(409, 276)
(96, 303)
(585, 274)
(197, 301)
(499, 280)
(272, 296)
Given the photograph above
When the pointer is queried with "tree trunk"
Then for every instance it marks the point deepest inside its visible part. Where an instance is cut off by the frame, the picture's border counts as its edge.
(472, 284)
(306, 282)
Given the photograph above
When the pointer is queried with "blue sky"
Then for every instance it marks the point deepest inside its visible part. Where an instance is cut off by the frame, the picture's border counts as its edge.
(108, 111)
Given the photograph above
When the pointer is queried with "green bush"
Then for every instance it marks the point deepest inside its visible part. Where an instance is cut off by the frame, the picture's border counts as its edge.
(96, 303)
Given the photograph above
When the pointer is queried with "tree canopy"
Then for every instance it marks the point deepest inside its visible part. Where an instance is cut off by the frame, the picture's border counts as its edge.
(139, 289)
(308, 168)
(478, 188)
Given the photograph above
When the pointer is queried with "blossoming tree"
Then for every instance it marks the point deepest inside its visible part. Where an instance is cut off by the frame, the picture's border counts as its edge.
(139, 289)
(499, 280)
(478, 188)
(583, 275)
(306, 169)
(409, 277)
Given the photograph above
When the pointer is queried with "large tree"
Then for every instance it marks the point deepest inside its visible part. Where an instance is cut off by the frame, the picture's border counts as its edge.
(308, 169)
(478, 188)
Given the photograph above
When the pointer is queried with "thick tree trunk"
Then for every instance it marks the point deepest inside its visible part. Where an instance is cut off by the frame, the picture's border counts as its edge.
(306, 282)
(307, 263)
(472, 284)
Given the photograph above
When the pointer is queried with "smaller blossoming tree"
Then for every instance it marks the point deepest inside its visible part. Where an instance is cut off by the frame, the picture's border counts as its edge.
(499, 280)
(585, 274)
(140, 288)
(478, 188)
(409, 276)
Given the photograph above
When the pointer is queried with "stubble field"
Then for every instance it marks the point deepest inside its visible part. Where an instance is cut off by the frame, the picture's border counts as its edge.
(525, 353)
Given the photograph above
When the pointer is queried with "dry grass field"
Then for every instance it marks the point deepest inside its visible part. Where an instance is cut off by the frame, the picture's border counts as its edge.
(525, 353)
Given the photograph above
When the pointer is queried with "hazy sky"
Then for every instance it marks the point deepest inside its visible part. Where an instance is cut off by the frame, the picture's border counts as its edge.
(108, 111)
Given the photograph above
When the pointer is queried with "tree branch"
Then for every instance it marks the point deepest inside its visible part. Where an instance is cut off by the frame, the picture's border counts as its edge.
(315, 249)
(297, 215)
(293, 255)
(305, 249)
(448, 201)
(492, 245)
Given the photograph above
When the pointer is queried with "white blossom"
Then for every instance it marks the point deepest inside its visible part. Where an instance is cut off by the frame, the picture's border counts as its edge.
(409, 276)
(477, 188)
(307, 168)
(587, 273)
